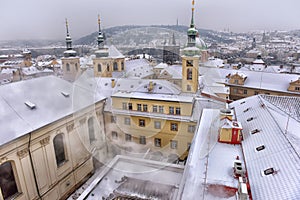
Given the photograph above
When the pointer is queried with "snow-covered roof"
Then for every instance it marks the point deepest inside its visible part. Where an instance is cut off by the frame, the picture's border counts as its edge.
(227, 123)
(114, 52)
(214, 62)
(50, 105)
(135, 178)
(174, 70)
(209, 162)
(261, 117)
(151, 96)
(263, 80)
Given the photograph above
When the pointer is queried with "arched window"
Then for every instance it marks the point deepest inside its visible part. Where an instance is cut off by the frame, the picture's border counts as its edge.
(76, 67)
(107, 67)
(8, 183)
(91, 129)
(115, 66)
(68, 67)
(99, 67)
(122, 65)
(59, 149)
(189, 74)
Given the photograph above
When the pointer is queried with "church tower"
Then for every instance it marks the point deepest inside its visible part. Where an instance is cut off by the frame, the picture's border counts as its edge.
(107, 60)
(190, 59)
(70, 61)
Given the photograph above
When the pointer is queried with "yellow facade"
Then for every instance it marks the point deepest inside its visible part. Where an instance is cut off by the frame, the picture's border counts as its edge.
(103, 67)
(164, 132)
(190, 67)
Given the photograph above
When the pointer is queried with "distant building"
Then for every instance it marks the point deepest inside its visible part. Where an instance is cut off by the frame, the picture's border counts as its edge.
(171, 52)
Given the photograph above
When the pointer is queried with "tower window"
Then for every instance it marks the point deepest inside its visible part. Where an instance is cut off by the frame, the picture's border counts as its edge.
(107, 67)
(99, 67)
(189, 74)
(189, 63)
(188, 88)
(115, 66)
(76, 67)
(122, 65)
(59, 149)
(91, 129)
(68, 67)
(8, 183)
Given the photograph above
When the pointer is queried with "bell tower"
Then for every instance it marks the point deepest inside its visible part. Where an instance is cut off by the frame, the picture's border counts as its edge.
(190, 59)
(70, 61)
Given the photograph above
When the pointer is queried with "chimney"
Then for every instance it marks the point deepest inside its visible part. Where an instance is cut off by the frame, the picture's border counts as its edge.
(113, 83)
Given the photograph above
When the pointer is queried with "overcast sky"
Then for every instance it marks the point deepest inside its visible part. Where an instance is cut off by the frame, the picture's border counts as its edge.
(44, 19)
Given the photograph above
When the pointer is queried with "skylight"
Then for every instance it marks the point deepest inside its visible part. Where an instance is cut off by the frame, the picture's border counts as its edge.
(260, 148)
(65, 94)
(269, 171)
(247, 110)
(243, 102)
(30, 105)
(250, 119)
(255, 131)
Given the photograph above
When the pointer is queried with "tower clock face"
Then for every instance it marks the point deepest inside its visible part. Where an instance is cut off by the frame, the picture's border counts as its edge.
(189, 63)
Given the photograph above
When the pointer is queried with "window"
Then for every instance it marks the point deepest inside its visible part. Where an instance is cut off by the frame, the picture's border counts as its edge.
(189, 74)
(142, 122)
(8, 183)
(256, 93)
(115, 66)
(174, 127)
(114, 135)
(91, 129)
(155, 108)
(107, 67)
(157, 142)
(122, 65)
(235, 90)
(262, 147)
(127, 120)
(145, 107)
(68, 67)
(128, 137)
(269, 171)
(188, 88)
(191, 128)
(297, 88)
(129, 106)
(99, 67)
(267, 93)
(139, 107)
(245, 92)
(161, 109)
(113, 119)
(76, 67)
(173, 144)
(124, 106)
(171, 110)
(236, 81)
(157, 124)
(59, 149)
(177, 111)
(189, 63)
(142, 140)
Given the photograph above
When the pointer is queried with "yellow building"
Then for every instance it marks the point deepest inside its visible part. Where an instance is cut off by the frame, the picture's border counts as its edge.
(230, 131)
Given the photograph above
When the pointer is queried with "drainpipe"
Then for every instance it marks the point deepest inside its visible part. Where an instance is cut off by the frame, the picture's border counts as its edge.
(32, 167)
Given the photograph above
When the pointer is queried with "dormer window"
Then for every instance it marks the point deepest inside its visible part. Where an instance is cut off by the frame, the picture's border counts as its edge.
(236, 81)
(246, 110)
(243, 102)
(30, 105)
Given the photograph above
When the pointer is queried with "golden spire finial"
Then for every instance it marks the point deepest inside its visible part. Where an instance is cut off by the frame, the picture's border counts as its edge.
(193, 2)
(67, 26)
(99, 19)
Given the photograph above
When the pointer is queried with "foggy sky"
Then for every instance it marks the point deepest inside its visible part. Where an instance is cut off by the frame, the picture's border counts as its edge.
(44, 19)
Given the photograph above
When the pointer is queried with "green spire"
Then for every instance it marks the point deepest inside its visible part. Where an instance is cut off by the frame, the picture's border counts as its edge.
(100, 35)
(68, 38)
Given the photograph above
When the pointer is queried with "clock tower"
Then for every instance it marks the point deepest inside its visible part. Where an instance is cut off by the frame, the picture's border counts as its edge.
(190, 60)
